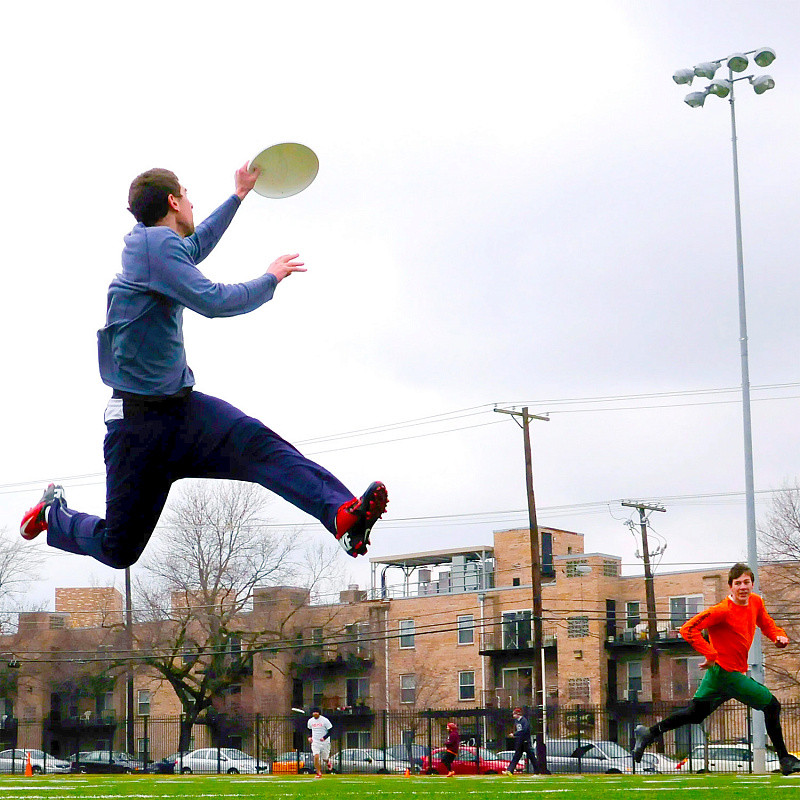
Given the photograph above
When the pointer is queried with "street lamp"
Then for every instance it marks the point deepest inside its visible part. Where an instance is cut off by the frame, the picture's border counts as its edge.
(738, 63)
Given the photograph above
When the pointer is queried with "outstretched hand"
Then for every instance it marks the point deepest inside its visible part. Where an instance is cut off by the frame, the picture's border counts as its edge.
(245, 180)
(781, 641)
(285, 265)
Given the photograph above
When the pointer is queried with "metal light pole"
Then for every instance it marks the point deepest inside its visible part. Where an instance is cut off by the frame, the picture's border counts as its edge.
(725, 88)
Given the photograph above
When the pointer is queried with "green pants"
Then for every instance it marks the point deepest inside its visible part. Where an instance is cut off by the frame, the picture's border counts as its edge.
(718, 686)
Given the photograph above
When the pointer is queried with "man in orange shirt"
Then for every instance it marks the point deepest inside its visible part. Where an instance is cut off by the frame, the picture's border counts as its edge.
(731, 626)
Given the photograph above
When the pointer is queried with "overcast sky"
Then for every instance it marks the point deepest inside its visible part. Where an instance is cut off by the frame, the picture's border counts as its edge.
(514, 206)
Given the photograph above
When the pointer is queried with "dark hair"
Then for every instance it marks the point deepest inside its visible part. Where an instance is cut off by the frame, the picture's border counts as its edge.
(147, 198)
(739, 569)
(316, 708)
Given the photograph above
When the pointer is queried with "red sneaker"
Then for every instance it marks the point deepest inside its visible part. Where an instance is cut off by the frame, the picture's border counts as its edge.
(35, 519)
(354, 519)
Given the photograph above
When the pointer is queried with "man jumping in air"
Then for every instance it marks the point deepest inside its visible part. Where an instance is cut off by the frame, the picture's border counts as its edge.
(731, 627)
(158, 429)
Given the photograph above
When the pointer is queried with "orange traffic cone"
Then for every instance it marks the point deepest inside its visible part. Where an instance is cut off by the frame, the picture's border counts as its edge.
(407, 773)
(28, 766)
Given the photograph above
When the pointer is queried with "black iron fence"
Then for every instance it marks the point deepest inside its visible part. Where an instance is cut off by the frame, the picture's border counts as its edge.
(364, 740)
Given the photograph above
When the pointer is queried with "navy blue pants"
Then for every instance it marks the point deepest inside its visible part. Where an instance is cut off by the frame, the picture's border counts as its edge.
(195, 437)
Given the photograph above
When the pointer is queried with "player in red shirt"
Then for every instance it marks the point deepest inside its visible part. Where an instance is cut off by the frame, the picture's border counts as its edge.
(731, 626)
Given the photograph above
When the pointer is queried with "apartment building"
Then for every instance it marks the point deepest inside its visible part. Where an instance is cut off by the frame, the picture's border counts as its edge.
(447, 629)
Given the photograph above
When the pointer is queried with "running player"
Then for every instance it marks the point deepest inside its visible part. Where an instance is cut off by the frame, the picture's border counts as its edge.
(320, 728)
(731, 627)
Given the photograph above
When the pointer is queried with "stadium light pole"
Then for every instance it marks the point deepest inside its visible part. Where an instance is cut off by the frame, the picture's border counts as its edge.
(738, 63)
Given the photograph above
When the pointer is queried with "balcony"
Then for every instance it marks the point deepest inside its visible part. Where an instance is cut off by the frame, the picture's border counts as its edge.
(632, 639)
(88, 721)
(347, 656)
(498, 642)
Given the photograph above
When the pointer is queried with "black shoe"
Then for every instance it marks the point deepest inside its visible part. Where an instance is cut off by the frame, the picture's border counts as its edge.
(790, 764)
(354, 520)
(642, 739)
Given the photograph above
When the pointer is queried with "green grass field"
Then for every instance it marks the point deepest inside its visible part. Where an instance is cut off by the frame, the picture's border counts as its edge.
(332, 787)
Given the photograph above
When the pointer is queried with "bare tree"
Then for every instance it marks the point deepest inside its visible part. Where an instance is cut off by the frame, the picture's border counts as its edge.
(202, 611)
(780, 579)
(20, 565)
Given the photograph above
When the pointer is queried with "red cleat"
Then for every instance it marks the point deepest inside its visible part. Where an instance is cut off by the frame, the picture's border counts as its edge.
(354, 520)
(35, 519)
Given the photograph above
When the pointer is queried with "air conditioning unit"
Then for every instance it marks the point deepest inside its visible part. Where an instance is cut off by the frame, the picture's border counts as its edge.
(628, 636)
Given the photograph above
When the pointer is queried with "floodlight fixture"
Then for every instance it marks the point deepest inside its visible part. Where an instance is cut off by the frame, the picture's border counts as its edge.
(763, 83)
(764, 57)
(720, 88)
(683, 76)
(695, 99)
(737, 62)
(707, 69)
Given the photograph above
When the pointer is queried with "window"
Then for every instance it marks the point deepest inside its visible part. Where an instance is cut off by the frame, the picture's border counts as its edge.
(634, 677)
(57, 623)
(515, 581)
(143, 698)
(235, 646)
(317, 691)
(686, 677)
(516, 630)
(579, 689)
(632, 618)
(466, 629)
(357, 691)
(317, 635)
(683, 608)
(466, 685)
(142, 749)
(360, 739)
(571, 570)
(408, 688)
(406, 633)
(577, 627)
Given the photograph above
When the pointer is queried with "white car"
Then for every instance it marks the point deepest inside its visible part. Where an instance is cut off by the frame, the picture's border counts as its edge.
(725, 758)
(15, 761)
(223, 760)
(662, 763)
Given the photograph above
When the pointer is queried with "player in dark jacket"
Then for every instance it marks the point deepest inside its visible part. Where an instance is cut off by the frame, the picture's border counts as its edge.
(522, 742)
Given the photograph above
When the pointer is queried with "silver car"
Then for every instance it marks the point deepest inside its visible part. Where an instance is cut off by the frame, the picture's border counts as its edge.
(367, 760)
(224, 760)
(568, 755)
(15, 761)
(726, 758)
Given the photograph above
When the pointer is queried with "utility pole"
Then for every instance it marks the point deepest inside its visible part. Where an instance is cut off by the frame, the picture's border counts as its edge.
(523, 418)
(650, 596)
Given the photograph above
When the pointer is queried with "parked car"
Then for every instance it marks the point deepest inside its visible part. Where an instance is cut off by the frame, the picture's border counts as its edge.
(293, 763)
(567, 755)
(725, 758)
(224, 760)
(103, 761)
(413, 753)
(165, 766)
(662, 763)
(15, 761)
(368, 761)
(470, 761)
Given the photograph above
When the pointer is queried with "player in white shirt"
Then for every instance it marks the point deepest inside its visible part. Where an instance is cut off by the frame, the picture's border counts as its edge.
(320, 728)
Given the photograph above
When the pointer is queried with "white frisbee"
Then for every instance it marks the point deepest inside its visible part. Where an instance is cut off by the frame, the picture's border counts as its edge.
(286, 169)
